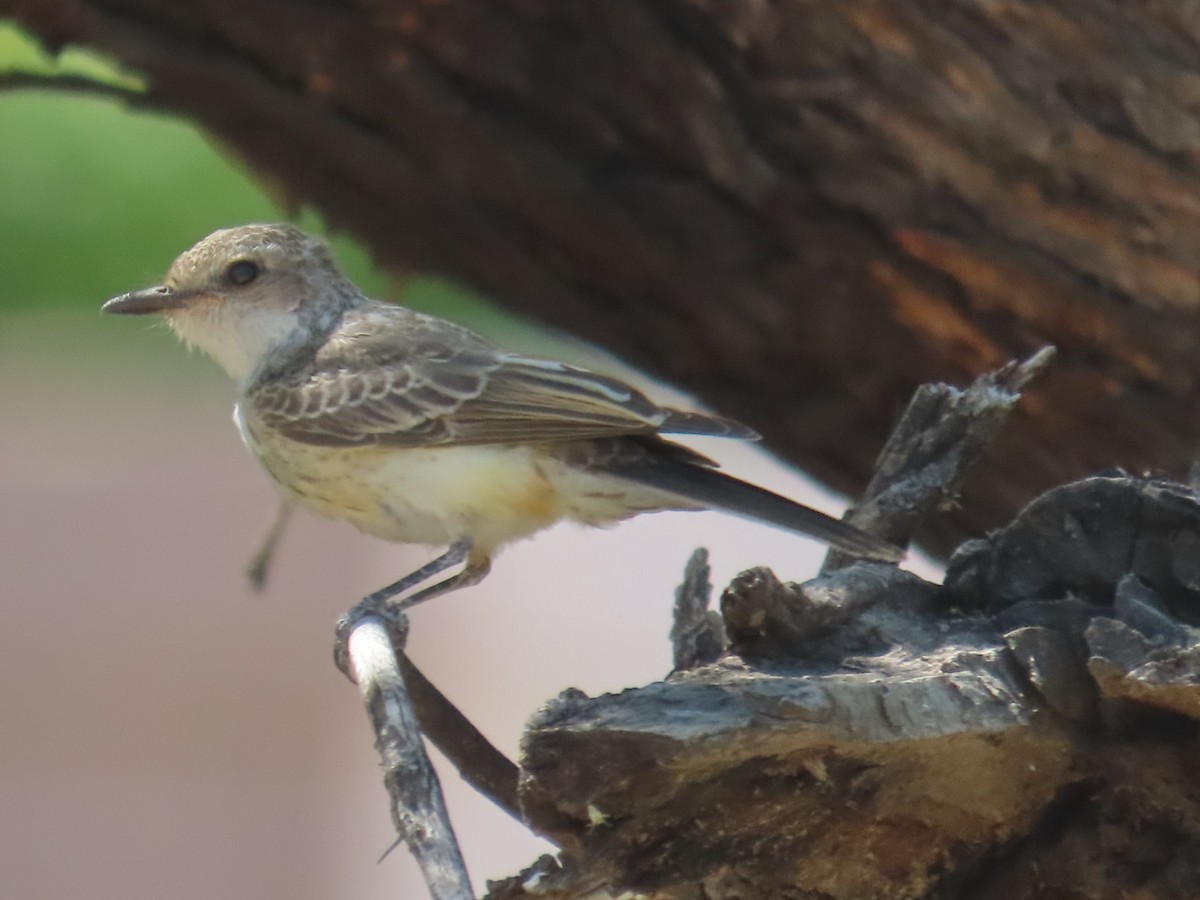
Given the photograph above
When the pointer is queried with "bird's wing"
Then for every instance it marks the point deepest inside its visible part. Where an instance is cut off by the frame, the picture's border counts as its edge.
(393, 377)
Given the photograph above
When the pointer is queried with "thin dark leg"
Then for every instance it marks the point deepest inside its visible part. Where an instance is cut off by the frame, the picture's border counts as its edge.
(472, 573)
(261, 561)
(458, 552)
(381, 603)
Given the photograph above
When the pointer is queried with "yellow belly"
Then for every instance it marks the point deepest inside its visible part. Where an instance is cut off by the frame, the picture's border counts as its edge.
(437, 495)
(427, 496)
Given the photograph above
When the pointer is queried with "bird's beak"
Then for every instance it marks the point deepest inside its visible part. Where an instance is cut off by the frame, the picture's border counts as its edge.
(151, 300)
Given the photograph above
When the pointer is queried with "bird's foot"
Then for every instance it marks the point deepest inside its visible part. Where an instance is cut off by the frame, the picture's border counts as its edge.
(371, 606)
(389, 603)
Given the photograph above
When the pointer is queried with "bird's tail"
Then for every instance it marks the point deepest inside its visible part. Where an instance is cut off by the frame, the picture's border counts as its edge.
(713, 489)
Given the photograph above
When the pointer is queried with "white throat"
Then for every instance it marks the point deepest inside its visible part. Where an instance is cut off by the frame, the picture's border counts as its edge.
(238, 343)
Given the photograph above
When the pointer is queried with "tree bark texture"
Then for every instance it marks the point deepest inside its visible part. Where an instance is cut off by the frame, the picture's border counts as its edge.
(1026, 730)
(798, 211)
(1023, 730)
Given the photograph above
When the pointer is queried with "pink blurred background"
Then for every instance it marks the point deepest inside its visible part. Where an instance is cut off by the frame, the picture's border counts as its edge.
(168, 732)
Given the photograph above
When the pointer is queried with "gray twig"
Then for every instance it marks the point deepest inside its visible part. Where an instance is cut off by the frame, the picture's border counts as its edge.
(418, 808)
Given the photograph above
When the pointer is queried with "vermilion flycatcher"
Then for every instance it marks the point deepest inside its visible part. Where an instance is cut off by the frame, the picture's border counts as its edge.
(415, 429)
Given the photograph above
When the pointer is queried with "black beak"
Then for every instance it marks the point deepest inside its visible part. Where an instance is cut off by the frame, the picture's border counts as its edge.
(151, 300)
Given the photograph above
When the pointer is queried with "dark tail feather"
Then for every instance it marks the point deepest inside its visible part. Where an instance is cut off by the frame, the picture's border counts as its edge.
(717, 490)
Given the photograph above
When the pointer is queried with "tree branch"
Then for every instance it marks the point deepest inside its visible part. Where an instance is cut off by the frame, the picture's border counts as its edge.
(797, 211)
(478, 761)
(418, 809)
(77, 84)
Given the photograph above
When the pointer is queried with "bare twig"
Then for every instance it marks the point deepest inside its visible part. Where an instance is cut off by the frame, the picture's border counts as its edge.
(942, 432)
(77, 84)
(418, 808)
(481, 765)
(697, 633)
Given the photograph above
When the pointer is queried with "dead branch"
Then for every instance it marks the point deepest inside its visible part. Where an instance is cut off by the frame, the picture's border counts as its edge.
(1026, 729)
(418, 809)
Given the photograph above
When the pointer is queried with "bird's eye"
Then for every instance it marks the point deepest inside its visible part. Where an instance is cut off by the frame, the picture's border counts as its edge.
(242, 272)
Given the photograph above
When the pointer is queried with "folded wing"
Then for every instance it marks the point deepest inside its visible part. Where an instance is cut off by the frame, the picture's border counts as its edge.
(391, 376)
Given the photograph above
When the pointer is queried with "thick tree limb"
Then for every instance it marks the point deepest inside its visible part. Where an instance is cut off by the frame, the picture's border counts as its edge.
(869, 734)
(799, 211)
(869, 744)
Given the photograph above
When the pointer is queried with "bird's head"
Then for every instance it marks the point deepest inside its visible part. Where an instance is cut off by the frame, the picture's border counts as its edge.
(242, 292)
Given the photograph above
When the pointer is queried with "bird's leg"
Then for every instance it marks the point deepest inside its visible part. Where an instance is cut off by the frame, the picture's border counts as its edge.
(458, 552)
(261, 561)
(382, 605)
(472, 573)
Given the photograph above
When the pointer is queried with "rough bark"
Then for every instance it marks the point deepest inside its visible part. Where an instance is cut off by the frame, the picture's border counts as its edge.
(799, 211)
(1024, 730)
(1027, 730)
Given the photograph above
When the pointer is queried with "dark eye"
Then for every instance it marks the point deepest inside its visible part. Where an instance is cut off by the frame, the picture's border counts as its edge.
(242, 272)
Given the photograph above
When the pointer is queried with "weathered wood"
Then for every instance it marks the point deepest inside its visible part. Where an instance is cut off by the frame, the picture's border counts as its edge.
(939, 437)
(799, 211)
(367, 653)
(870, 734)
(697, 632)
(1027, 730)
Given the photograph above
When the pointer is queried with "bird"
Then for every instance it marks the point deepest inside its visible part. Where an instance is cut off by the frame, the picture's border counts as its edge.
(416, 430)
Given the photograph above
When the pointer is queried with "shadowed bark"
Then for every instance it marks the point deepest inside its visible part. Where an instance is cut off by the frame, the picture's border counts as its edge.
(1027, 730)
(1024, 730)
(798, 211)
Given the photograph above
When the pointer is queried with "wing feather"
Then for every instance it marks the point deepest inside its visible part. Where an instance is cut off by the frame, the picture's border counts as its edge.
(391, 376)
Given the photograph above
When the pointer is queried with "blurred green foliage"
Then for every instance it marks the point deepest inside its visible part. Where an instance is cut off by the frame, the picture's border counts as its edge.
(96, 200)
